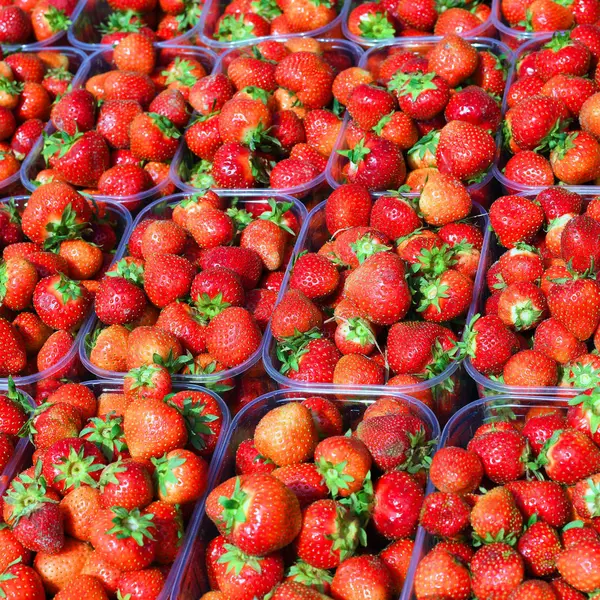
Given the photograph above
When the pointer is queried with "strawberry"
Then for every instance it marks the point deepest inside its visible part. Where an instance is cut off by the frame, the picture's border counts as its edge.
(434, 200)
(234, 166)
(455, 150)
(454, 59)
(60, 302)
(124, 538)
(181, 476)
(75, 111)
(544, 499)
(576, 158)
(398, 500)
(309, 360)
(135, 53)
(240, 575)
(421, 96)
(261, 501)
(579, 565)
(522, 306)
(496, 569)
(446, 297)
(19, 581)
(434, 514)
(455, 470)
(114, 119)
(369, 276)
(495, 516)
(530, 368)
(439, 572)
(153, 137)
(80, 158)
(515, 219)
(562, 55)
(362, 575)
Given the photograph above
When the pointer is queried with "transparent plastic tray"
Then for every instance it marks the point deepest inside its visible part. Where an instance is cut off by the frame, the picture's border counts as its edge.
(352, 51)
(213, 9)
(192, 582)
(486, 29)
(486, 386)
(96, 63)
(20, 461)
(458, 431)
(124, 224)
(480, 191)
(311, 238)
(301, 214)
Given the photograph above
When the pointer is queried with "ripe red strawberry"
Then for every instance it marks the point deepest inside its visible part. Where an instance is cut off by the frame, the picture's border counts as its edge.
(446, 297)
(456, 470)
(562, 55)
(496, 517)
(314, 275)
(420, 96)
(60, 302)
(271, 518)
(368, 104)
(153, 137)
(309, 360)
(439, 572)
(366, 574)
(435, 513)
(530, 368)
(515, 219)
(579, 566)
(75, 111)
(496, 568)
(114, 119)
(455, 150)
(522, 306)
(454, 59)
(545, 499)
(20, 580)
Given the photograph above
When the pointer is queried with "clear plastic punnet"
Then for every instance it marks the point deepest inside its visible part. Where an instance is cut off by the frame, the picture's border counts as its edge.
(184, 159)
(22, 458)
(95, 64)
(90, 326)
(480, 191)
(193, 581)
(486, 29)
(84, 31)
(457, 432)
(213, 9)
(123, 218)
(77, 58)
(445, 387)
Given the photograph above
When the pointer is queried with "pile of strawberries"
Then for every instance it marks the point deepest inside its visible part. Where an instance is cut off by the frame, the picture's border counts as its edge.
(198, 287)
(159, 21)
(266, 122)
(143, 111)
(551, 126)
(29, 84)
(246, 19)
(540, 323)
(101, 509)
(377, 300)
(548, 15)
(306, 497)
(55, 248)
(28, 22)
(504, 533)
(374, 21)
(408, 115)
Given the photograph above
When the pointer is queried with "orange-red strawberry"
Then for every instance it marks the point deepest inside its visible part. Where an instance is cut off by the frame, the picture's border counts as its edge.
(496, 517)
(454, 59)
(496, 568)
(440, 573)
(576, 158)
(456, 470)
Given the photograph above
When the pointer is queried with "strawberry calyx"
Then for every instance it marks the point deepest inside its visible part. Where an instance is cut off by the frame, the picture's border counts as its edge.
(584, 377)
(277, 214)
(413, 84)
(180, 72)
(334, 476)
(109, 474)
(427, 145)
(164, 473)
(122, 21)
(58, 144)
(165, 125)
(291, 349)
(143, 376)
(12, 88)
(525, 315)
(210, 369)
(376, 26)
(107, 434)
(347, 533)
(382, 123)
(325, 3)
(564, 143)
(256, 93)
(267, 9)
(234, 29)
(236, 560)
(199, 176)
(357, 154)
(435, 262)
(66, 229)
(68, 289)
(209, 307)
(366, 247)
(196, 421)
(189, 17)
(488, 538)
(27, 494)
(361, 502)
(241, 218)
(235, 507)
(543, 459)
(443, 5)
(132, 271)
(11, 209)
(57, 19)
(589, 406)
(16, 396)
(432, 292)
(172, 364)
(131, 524)
(3, 282)
(6, 576)
(359, 331)
(466, 348)
(310, 576)
(592, 498)
(75, 468)
(559, 41)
